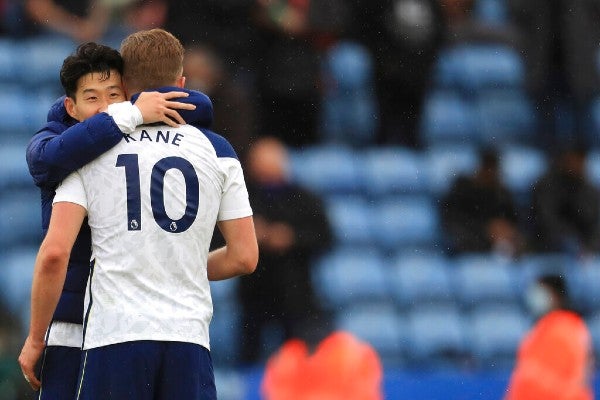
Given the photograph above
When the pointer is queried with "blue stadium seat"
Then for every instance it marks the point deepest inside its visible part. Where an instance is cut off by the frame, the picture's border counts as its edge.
(16, 272)
(446, 163)
(348, 275)
(382, 326)
(224, 290)
(495, 333)
(326, 169)
(351, 219)
(593, 165)
(593, 323)
(421, 278)
(473, 67)
(484, 278)
(520, 168)
(505, 117)
(14, 173)
(9, 68)
(41, 59)
(392, 170)
(436, 334)
(491, 12)
(20, 217)
(448, 118)
(348, 101)
(225, 332)
(583, 279)
(406, 220)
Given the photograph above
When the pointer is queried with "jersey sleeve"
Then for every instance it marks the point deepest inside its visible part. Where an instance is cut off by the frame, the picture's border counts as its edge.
(71, 190)
(57, 150)
(234, 202)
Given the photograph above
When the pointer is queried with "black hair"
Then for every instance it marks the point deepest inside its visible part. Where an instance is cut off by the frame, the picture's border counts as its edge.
(89, 57)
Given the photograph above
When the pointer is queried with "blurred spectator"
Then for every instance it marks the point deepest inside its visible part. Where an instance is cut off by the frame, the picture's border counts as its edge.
(463, 26)
(233, 110)
(404, 37)
(93, 20)
(222, 25)
(294, 34)
(566, 206)
(341, 368)
(479, 214)
(554, 361)
(291, 228)
(560, 46)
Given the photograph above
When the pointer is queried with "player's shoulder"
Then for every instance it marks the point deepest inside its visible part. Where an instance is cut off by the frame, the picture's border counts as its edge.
(222, 147)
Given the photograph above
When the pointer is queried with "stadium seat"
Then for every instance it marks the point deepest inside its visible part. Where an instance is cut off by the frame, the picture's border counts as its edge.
(224, 290)
(593, 166)
(349, 275)
(225, 332)
(436, 334)
(520, 168)
(393, 170)
(484, 278)
(505, 117)
(20, 217)
(351, 219)
(583, 279)
(14, 173)
(495, 333)
(473, 67)
(41, 59)
(421, 278)
(448, 118)
(348, 101)
(9, 68)
(446, 163)
(379, 325)
(16, 272)
(491, 11)
(326, 169)
(406, 220)
(593, 323)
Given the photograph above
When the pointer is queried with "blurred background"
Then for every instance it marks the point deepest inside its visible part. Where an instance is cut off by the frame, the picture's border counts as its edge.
(428, 160)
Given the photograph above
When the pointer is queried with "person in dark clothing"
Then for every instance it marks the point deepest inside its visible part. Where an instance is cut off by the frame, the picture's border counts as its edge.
(560, 46)
(566, 206)
(293, 36)
(404, 37)
(479, 214)
(291, 228)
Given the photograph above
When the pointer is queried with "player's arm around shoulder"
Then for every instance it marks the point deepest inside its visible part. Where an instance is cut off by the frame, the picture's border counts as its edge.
(239, 256)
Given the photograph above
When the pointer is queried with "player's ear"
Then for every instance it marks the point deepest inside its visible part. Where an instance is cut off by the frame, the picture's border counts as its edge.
(181, 82)
(70, 107)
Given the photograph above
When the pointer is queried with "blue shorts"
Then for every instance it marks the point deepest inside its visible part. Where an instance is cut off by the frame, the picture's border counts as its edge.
(58, 372)
(147, 370)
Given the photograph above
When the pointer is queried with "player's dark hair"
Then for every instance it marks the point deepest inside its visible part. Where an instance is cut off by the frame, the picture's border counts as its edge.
(89, 57)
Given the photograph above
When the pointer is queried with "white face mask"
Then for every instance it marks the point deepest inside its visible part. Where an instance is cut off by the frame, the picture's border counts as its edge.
(538, 300)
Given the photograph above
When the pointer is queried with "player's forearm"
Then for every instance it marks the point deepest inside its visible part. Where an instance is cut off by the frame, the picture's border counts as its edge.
(48, 280)
(225, 264)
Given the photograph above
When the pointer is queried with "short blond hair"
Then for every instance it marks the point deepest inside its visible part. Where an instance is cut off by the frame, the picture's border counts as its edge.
(152, 58)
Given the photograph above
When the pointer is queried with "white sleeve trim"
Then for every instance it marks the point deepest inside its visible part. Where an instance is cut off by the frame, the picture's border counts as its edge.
(127, 116)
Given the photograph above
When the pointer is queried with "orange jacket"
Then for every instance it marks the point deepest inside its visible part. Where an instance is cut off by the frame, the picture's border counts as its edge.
(342, 368)
(554, 361)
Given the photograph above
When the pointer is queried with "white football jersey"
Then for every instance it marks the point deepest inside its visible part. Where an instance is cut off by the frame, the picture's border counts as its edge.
(152, 203)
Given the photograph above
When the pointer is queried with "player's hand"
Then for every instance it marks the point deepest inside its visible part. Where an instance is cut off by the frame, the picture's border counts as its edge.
(30, 355)
(159, 107)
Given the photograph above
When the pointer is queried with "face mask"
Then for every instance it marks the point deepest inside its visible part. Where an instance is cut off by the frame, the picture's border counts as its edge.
(538, 300)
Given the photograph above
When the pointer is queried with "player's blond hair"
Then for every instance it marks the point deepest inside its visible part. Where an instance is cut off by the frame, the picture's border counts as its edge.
(152, 58)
